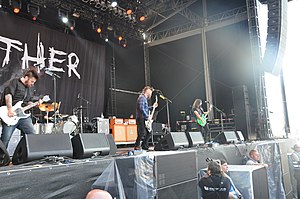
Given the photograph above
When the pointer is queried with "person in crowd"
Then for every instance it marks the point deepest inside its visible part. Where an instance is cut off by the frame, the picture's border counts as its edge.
(233, 192)
(200, 116)
(19, 89)
(98, 194)
(254, 158)
(142, 114)
(296, 154)
(214, 185)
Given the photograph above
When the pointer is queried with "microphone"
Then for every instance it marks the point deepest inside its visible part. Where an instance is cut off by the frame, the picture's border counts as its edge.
(162, 97)
(207, 102)
(48, 72)
(37, 64)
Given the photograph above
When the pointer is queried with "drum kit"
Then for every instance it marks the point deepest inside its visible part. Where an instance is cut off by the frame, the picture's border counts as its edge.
(56, 123)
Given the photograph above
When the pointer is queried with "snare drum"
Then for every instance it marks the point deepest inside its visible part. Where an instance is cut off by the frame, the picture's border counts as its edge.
(71, 125)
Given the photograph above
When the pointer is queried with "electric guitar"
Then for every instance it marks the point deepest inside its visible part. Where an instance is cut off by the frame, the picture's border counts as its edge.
(19, 111)
(202, 122)
(149, 121)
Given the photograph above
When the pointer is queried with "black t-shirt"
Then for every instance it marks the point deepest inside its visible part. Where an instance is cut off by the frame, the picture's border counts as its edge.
(199, 110)
(215, 187)
(18, 91)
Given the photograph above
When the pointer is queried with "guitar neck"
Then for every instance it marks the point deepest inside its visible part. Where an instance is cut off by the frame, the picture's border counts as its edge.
(29, 106)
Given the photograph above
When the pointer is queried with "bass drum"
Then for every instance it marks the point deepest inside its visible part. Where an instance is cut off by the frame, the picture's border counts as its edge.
(70, 125)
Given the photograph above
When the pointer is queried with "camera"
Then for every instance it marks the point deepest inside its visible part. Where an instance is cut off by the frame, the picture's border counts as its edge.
(208, 160)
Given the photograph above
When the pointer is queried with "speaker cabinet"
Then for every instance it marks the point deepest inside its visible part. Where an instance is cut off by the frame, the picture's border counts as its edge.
(4, 156)
(37, 146)
(194, 138)
(226, 137)
(172, 141)
(88, 144)
(242, 112)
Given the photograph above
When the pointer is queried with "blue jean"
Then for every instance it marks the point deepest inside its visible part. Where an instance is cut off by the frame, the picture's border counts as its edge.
(24, 125)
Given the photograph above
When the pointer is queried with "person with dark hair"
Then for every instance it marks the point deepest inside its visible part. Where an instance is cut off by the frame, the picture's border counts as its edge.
(200, 116)
(214, 185)
(142, 114)
(233, 192)
(19, 89)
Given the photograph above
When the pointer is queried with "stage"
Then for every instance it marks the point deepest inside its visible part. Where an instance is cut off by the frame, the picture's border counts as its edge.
(154, 173)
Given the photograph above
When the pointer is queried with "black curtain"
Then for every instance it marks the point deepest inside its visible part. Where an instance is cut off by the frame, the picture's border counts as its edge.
(91, 67)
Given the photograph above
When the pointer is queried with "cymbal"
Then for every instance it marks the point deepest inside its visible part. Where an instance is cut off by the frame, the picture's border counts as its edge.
(64, 116)
(48, 107)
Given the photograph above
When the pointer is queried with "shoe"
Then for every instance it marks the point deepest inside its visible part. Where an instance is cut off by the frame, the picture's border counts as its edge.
(137, 148)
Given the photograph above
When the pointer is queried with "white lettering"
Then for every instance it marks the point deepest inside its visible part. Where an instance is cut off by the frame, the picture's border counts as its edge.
(73, 66)
(9, 43)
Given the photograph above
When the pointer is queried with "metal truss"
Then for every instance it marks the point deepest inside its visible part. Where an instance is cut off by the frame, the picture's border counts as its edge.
(211, 22)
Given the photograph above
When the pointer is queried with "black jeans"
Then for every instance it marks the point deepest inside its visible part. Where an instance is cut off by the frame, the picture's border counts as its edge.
(143, 134)
(205, 133)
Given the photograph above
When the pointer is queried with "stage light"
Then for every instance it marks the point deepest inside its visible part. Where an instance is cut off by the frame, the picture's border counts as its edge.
(0, 4)
(141, 17)
(124, 43)
(114, 3)
(63, 14)
(16, 5)
(120, 38)
(97, 27)
(72, 24)
(129, 10)
(34, 10)
(106, 39)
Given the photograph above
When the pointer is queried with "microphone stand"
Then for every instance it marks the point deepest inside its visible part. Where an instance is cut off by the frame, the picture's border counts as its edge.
(81, 114)
(168, 112)
(221, 114)
(54, 76)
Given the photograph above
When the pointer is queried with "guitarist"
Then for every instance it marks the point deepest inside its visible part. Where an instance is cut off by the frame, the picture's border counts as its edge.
(19, 89)
(142, 114)
(198, 112)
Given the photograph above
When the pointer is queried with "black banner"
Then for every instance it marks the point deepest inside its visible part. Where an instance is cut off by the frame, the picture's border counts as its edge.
(80, 64)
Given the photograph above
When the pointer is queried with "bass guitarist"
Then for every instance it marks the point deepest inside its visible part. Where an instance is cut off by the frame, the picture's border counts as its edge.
(200, 116)
(142, 115)
(19, 89)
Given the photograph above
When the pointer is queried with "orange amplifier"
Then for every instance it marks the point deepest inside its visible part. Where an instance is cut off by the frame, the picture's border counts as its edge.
(131, 132)
(114, 121)
(119, 132)
(130, 121)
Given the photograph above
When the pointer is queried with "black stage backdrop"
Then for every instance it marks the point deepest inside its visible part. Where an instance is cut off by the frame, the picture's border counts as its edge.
(91, 67)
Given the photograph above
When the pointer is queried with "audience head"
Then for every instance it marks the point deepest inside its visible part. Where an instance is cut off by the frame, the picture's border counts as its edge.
(214, 167)
(296, 147)
(224, 166)
(98, 194)
(254, 155)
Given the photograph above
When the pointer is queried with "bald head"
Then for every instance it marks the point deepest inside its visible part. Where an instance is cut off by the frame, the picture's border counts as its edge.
(297, 147)
(98, 194)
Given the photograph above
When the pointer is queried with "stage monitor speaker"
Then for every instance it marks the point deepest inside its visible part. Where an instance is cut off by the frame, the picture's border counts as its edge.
(226, 137)
(37, 146)
(86, 145)
(240, 136)
(172, 141)
(4, 156)
(112, 144)
(194, 138)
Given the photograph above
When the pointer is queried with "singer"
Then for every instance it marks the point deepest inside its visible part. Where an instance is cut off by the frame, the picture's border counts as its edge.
(201, 117)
